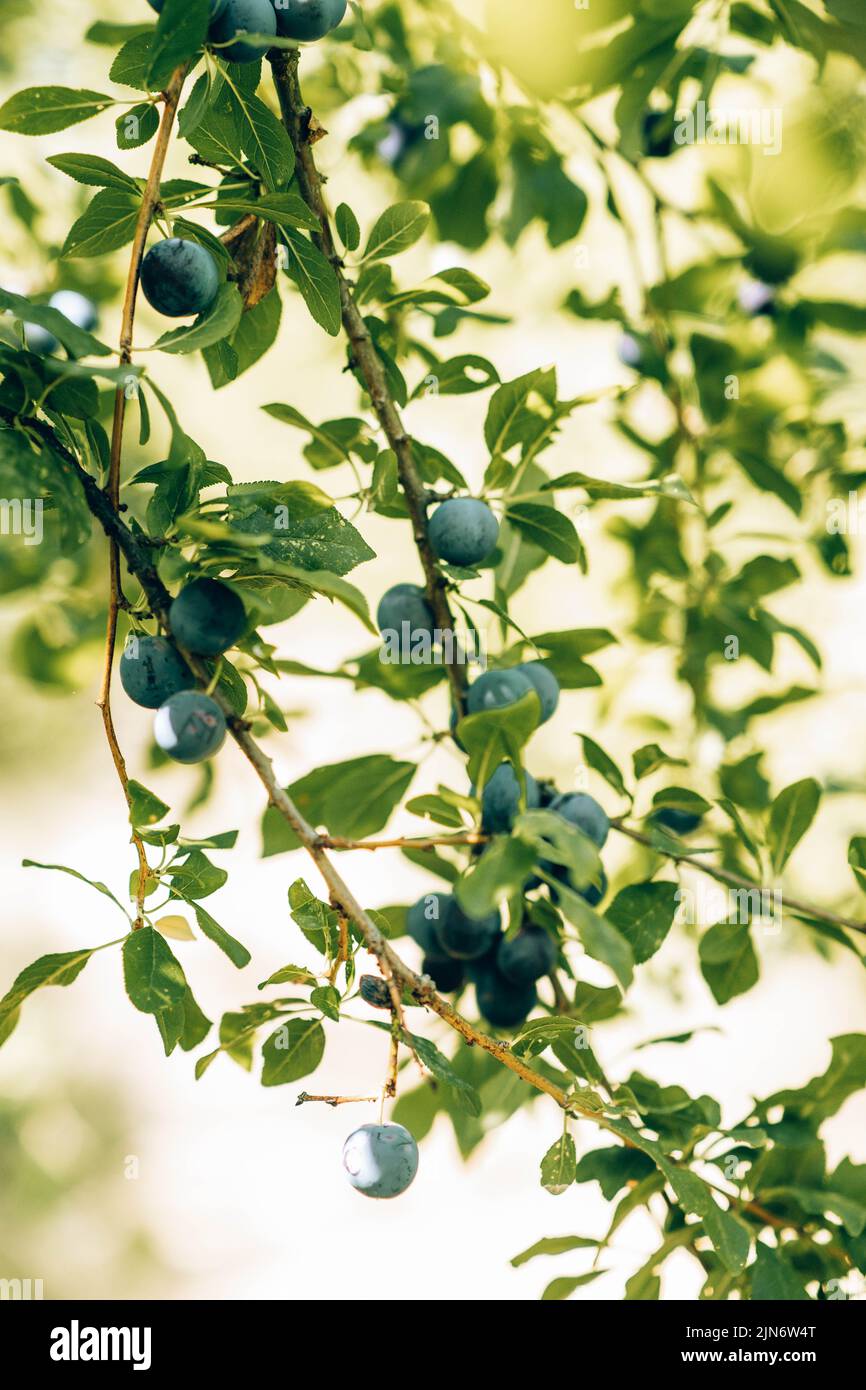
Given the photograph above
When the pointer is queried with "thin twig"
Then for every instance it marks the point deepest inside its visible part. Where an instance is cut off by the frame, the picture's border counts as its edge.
(737, 881)
(304, 1099)
(149, 203)
(297, 120)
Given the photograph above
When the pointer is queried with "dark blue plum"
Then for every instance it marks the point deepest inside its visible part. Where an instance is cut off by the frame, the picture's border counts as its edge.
(308, 19)
(447, 974)
(527, 957)
(496, 689)
(405, 603)
(252, 16)
(680, 822)
(503, 1003)
(500, 801)
(151, 669)
(583, 811)
(423, 918)
(380, 1160)
(207, 617)
(179, 277)
(546, 686)
(190, 727)
(464, 937)
(463, 531)
(374, 991)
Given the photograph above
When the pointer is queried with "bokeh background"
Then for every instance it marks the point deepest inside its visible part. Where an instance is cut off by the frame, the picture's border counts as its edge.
(122, 1176)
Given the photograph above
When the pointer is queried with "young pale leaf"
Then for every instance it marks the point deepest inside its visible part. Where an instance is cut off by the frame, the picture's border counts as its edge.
(42, 110)
(396, 230)
(791, 814)
(293, 1051)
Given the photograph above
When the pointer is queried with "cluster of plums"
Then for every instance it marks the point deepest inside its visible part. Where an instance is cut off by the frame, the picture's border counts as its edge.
(292, 19)
(206, 618)
(503, 969)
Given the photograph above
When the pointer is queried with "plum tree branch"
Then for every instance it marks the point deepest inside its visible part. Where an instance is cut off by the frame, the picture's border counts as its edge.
(398, 975)
(733, 880)
(296, 118)
(149, 203)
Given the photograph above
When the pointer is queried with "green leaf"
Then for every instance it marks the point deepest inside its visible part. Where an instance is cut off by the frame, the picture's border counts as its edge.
(263, 138)
(564, 1287)
(791, 814)
(352, 799)
(42, 110)
(319, 922)
(823, 1095)
(153, 977)
(857, 859)
(650, 758)
(671, 487)
(286, 209)
(599, 938)
(146, 808)
(293, 1051)
(396, 230)
(62, 869)
(644, 913)
(604, 765)
(218, 322)
(59, 969)
(549, 529)
(93, 170)
(108, 224)
(180, 33)
(316, 279)
(559, 1166)
(290, 975)
(498, 735)
(553, 1245)
(495, 875)
(326, 999)
(77, 341)
(347, 227)
(773, 1278)
(728, 961)
(237, 953)
(132, 63)
(196, 877)
(466, 1096)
